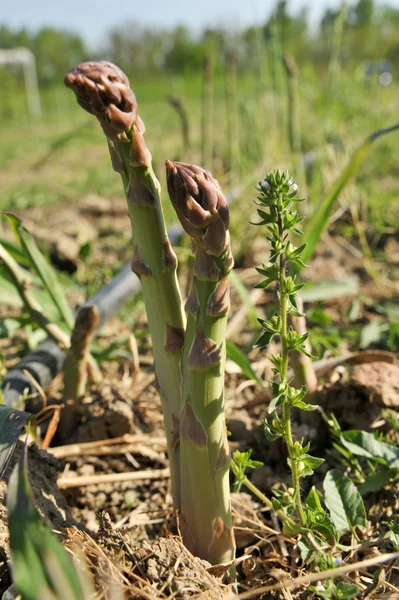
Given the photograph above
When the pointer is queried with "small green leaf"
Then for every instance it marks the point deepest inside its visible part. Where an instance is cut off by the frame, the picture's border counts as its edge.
(263, 340)
(304, 406)
(270, 434)
(313, 501)
(345, 591)
(307, 464)
(343, 501)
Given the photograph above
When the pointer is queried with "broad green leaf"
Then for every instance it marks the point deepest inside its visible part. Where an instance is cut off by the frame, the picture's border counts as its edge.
(320, 219)
(346, 591)
(343, 501)
(245, 297)
(365, 444)
(41, 566)
(375, 481)
(42, 268)
(236, 355)
(12, 422)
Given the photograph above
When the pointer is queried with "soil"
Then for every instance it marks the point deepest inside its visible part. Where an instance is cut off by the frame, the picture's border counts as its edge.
(125, 533)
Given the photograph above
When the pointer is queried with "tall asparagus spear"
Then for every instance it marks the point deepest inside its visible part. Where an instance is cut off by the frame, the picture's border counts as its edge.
(205, 495)
(103, 90)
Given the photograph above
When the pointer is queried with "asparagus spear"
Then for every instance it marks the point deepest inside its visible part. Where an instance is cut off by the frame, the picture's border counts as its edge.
(205, 495)
(103, 90)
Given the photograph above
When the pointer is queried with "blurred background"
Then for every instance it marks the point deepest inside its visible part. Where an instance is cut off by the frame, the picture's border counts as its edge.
(238, 87)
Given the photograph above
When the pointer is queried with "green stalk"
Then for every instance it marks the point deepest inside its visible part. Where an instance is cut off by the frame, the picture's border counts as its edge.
(302, 363)
(205, 458)
(294, 119)
(207, 110)
(334, 64)
(232, 119)
(103, 90)
(178, 105)
(284, 382)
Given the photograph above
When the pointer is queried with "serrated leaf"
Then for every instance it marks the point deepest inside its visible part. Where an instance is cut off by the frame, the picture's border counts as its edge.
(12, 422)
(236, 355)
(365, 444)
(42, 268)
(343, 501)
(41, 566)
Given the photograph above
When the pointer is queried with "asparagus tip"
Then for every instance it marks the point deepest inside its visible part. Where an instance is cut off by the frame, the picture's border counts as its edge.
(103, 90)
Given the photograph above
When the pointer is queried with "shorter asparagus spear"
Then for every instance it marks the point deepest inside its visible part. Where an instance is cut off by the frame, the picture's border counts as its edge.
(205, 459)
(77, 364)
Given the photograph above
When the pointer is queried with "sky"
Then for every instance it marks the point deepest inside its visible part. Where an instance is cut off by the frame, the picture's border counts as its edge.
(93, 18)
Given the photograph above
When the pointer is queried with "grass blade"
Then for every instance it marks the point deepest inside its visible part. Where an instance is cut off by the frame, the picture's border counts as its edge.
(245, 297)
(328, 290)
(319, 221)
(11, 424)
(22, 281)
(236, 355)
(42, 268)
(41, 566)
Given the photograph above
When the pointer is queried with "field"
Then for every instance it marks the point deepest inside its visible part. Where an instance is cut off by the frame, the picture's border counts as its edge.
(55, 175)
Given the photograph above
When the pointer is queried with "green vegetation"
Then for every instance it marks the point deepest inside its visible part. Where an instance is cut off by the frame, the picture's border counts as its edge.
(282, 99)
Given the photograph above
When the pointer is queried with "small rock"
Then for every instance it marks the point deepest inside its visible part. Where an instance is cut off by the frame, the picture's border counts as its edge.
(379, 381)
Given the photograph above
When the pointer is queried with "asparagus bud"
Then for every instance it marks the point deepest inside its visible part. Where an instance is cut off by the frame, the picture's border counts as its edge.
(205, 499)
(200, 204)
(103, 90)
